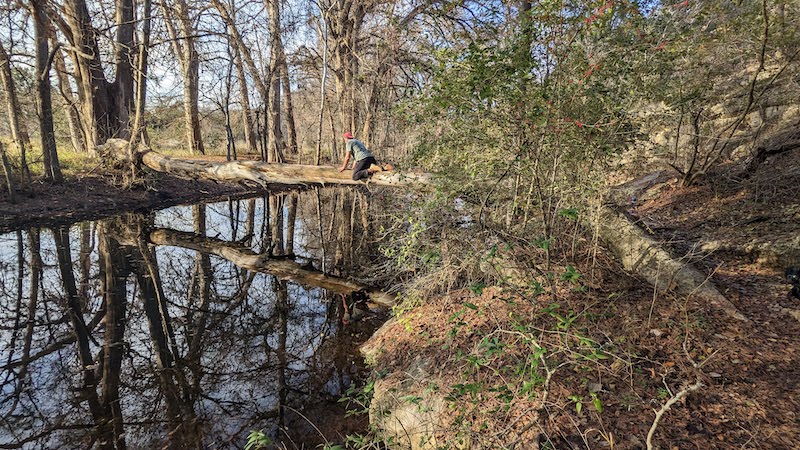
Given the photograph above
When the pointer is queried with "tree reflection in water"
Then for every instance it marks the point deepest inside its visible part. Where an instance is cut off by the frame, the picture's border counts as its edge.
(111, 341)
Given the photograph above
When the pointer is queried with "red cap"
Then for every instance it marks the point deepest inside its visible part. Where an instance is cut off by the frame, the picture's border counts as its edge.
(348, 135)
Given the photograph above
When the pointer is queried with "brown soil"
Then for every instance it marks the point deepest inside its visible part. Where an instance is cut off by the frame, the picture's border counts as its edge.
(94, 197)
(635, 350)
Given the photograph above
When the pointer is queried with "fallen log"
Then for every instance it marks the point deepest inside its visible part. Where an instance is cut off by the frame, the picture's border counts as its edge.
(284, 269)
(254, 171)
(643, 255)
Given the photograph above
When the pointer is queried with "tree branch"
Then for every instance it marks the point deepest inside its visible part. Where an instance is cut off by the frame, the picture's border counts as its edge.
(675, 398)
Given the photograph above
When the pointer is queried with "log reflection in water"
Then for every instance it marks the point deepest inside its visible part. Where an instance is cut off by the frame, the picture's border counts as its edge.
(175, 347)
(282, 268)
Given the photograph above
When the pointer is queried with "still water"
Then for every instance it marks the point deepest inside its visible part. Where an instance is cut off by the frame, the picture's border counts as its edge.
(173, 330)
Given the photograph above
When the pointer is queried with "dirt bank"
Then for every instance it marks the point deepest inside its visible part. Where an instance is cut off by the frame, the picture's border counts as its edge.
(616, 351)
(95, 196)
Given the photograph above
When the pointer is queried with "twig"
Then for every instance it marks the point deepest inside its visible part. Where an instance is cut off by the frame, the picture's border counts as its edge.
(307, 420)
(674, 399)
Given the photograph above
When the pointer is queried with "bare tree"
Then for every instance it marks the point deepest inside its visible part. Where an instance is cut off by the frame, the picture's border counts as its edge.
(276, 144)
(345, 22)
(185, 48)
(52, 169)
(138, 128)
(324, 10)
(250, 137)
(71, 110)
(224, 104)
(261, 81)
(105, 105)
(18, 133)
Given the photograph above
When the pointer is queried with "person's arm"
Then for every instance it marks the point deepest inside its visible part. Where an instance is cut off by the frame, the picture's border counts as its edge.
(346, 161)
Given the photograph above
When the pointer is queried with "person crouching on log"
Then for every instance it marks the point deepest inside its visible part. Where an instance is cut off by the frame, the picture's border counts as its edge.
(365, 163)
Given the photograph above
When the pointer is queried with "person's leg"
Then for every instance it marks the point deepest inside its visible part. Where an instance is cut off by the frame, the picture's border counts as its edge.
(361, 168)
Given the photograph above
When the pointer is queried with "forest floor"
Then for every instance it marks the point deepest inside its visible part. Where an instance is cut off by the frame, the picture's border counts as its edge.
(617, 351)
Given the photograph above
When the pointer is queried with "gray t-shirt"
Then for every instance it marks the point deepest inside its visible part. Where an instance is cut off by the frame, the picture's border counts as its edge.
(358, 150)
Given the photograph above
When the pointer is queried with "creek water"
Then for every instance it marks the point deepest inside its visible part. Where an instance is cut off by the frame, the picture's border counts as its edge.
(155, 330)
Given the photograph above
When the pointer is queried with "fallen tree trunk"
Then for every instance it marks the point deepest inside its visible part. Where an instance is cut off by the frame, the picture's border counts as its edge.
(285, 269)
(643, 255)
(255, 171)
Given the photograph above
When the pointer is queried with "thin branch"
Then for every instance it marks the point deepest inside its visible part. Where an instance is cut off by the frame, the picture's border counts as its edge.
(674, 399)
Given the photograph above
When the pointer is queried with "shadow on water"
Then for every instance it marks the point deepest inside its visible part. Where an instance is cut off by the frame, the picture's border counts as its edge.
(188, 327)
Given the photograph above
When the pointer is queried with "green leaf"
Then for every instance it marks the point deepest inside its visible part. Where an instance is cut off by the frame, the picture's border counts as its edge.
(543, 244)
(569, 213)
(598, 405)
(256, 440)
(570, 275)
(477, 288)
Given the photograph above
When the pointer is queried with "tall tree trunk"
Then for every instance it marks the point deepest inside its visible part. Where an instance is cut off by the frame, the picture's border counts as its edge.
(91, 81)
(322, 83)
(291, 128)
(71, 111)
(276, 143)
(138, 128)
(52, 169)
(123, 83)
(191, 105)
(18, 133)
(375, 100)
(344, 24)
(230, 147)
(183, 45)
(261, 82)
(250, 137)
(105, 105)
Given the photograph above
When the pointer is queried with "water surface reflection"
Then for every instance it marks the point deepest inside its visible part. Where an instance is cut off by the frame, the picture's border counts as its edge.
(184, 328)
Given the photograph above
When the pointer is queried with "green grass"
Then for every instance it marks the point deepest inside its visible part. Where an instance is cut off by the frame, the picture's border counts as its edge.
(72, 163)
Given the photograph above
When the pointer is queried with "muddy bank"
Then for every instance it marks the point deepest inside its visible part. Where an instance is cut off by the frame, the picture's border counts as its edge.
(95, 197)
